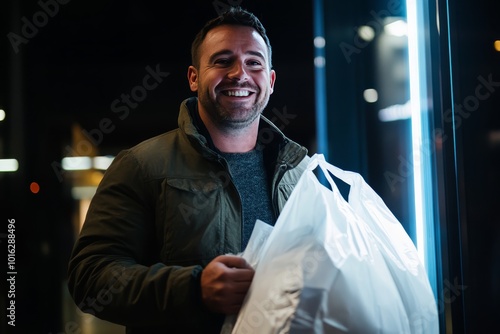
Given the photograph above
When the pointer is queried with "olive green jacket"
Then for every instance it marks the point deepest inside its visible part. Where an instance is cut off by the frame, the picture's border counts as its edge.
(164, 209)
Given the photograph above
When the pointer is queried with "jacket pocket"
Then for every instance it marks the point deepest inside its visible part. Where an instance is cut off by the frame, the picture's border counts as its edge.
(192, 220)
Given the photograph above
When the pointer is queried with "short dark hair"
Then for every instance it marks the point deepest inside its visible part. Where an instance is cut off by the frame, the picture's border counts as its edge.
(233, 16)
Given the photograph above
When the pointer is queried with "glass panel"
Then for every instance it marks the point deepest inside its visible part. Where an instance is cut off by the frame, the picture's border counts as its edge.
(364, 115)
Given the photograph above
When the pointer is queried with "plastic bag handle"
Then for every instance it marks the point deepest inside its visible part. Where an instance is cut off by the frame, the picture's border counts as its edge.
(350, 178)
(318, 160)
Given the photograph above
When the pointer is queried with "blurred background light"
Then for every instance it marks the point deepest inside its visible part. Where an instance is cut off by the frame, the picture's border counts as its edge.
(370, 95)
(395, 112)
(8, 165)
(496, 44)
(34, 187)
(319, 61)
(319, 42)
(76, 163)
(398, 28)
(86, 163)
(367, 33)
(102, 162)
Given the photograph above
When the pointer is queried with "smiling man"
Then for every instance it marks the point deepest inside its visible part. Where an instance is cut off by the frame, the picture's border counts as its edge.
(154, 251)
(234, 79)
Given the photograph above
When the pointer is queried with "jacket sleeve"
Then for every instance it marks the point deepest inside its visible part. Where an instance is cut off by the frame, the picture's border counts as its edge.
(114, 271)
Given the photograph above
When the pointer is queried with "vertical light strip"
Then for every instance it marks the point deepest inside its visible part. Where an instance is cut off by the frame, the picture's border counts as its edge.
(416, 123)
(320, 80)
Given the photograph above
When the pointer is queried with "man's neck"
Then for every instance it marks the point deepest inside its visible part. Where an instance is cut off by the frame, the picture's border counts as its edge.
(232, 141)
(238, 141)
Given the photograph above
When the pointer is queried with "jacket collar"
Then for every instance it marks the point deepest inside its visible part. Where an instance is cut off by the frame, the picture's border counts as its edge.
(270, 138)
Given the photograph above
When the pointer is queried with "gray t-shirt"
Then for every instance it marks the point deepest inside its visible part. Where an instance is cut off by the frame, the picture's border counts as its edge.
(250, 177)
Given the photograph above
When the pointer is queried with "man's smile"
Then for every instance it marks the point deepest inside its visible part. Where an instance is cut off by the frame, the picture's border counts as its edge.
(237, 93)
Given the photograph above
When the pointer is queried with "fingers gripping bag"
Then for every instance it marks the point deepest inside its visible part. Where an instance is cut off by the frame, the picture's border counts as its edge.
(336, 266)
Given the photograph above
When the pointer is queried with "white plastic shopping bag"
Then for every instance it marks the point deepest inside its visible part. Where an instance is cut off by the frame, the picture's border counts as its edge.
(332, 266)
(397, 248)
(251, 254)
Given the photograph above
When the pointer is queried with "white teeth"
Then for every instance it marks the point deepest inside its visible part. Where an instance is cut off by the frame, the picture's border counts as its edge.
(238, 93)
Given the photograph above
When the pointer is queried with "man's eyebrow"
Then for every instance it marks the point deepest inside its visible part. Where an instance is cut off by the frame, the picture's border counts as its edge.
(218, 54)
(229, 52)
(257, 54)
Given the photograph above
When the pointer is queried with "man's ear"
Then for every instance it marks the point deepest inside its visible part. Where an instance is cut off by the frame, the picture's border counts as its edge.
(192, 78)
(272, 78)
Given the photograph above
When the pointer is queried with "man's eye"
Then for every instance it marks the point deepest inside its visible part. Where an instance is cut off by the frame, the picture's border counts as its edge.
(254, 63)
(222, 61)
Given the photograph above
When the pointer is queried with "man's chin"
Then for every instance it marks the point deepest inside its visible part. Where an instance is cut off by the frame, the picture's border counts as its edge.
(239, 123)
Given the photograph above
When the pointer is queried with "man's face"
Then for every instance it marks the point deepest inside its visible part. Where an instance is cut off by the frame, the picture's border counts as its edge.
(234, 80)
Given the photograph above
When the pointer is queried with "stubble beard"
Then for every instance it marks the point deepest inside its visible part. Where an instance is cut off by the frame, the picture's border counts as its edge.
(234, 119)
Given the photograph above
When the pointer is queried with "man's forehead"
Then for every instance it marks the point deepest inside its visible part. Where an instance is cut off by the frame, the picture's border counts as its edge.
(234, 34)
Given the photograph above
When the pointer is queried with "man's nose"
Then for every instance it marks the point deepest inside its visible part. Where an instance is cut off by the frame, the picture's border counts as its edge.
(237, 72)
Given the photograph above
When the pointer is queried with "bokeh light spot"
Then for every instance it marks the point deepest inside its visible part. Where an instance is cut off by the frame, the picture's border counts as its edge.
(34, 187)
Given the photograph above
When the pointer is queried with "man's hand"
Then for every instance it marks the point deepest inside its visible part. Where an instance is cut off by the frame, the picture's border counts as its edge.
(225, 282)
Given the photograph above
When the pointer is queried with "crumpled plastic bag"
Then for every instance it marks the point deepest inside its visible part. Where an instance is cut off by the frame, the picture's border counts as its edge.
(336, 266)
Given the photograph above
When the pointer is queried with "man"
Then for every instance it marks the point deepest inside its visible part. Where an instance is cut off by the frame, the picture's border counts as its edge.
(155, 251)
